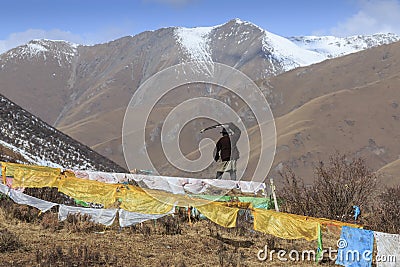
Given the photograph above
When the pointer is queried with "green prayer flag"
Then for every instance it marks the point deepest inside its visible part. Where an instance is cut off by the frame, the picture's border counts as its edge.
(319, 248)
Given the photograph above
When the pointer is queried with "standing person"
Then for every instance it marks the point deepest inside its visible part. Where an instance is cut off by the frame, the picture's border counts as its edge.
(227, 150)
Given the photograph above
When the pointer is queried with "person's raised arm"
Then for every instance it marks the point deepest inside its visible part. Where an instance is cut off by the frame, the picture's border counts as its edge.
(235, 130)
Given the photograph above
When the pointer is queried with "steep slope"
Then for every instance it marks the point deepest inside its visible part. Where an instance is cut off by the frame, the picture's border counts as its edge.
(390, 173)
(25, 138)
(349, 104)
(292, 89)
(332, 122)
(36, 76)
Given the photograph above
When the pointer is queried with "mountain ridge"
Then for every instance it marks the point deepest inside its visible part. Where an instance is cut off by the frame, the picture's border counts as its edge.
(320, 47)
(36, 142)
(86, 97)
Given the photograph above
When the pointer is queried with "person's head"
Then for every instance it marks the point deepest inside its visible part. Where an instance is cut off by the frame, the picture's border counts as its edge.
(224, 132)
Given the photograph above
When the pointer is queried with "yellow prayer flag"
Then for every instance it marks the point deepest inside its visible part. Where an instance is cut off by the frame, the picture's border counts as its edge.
(88, 191)
(31, 176)
(219, 213)
(284, 225)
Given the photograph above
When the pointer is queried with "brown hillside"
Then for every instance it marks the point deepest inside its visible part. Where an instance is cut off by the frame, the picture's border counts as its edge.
(348, 104)
(390, 173)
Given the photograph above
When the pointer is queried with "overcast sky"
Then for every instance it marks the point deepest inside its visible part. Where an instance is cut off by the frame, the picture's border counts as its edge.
(98, 21)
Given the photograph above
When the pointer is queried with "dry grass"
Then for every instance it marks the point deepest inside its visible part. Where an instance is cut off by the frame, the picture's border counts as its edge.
(9, 241)
(28, 238)
(171, 241)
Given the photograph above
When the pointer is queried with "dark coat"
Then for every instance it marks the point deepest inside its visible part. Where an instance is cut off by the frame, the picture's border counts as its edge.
(226, 146)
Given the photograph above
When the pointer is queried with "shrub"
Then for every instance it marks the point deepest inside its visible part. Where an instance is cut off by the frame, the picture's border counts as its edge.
(386, 217)
(9, 241)
(297, 197)
(50, 194)
(338, 186)
(78, 223)
(50, 221)
(171, 225)
(25, 213)
(22, 213)
(74, 256)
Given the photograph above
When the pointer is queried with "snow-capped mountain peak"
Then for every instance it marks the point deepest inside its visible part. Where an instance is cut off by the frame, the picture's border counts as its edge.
(199, 44)
(331, 46)
(61, 51)
(288, 53)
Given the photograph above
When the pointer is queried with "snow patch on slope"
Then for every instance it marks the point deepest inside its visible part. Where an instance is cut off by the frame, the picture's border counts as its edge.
(29, 157)
(293, 52)
(195, 42)
(41, 144)
(283, 51)
(331, 46)
(288, 53)
(34, 49)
